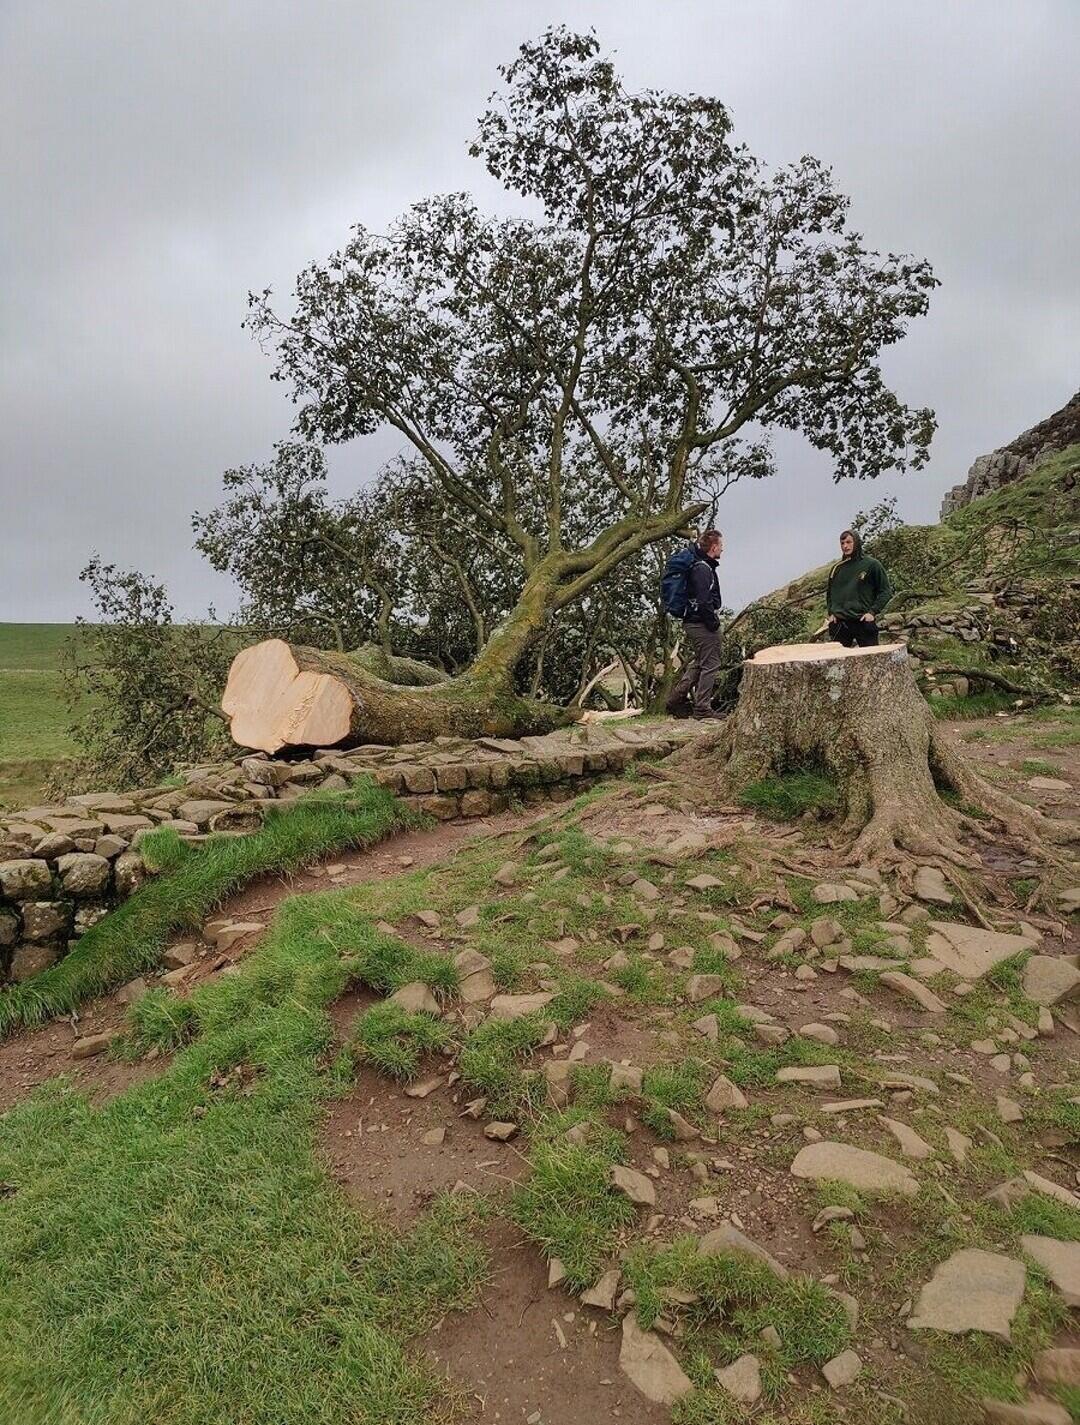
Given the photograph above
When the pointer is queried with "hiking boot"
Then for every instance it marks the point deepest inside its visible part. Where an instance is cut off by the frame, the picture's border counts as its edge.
(710, 716)
(677, 704)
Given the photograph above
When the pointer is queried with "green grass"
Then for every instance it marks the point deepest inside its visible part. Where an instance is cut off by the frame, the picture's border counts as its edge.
(949, 709)
(34, 722)
(786, 797)
(181, 1256)
(570, 1210)
(193, 882)
(394, 1041)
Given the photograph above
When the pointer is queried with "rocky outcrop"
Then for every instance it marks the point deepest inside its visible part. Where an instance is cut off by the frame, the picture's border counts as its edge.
(1010, 462)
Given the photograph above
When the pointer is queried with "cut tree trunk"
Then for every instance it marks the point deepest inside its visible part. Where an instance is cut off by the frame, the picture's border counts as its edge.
(858, 713)
(279, 695)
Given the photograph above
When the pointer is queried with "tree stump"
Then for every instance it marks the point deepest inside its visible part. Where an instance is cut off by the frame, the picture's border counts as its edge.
(858, 714)
(281, 695)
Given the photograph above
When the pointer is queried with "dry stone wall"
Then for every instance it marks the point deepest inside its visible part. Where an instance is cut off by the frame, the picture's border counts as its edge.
(64, 866)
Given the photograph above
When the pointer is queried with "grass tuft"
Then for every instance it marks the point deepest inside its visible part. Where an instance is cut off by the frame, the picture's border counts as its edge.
(791, 795)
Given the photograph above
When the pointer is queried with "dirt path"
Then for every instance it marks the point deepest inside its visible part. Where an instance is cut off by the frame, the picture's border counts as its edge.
(32, 1056)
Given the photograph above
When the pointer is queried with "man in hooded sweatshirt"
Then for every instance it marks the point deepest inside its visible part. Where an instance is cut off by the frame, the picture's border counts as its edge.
(857, 592)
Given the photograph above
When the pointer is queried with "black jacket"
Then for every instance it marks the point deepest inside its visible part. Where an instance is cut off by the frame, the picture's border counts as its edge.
(704, 591)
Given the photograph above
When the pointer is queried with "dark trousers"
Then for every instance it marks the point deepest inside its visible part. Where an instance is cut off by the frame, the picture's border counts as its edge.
(700, 673)
(853, 633)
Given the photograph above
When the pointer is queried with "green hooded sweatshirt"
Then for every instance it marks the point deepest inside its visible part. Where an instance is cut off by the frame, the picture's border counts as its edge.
(857, 586)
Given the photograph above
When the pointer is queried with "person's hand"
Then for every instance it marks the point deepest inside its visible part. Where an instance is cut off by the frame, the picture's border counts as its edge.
(869, 618)
(832, 618)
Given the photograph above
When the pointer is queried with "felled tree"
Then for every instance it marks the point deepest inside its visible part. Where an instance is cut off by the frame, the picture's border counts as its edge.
(607, 364)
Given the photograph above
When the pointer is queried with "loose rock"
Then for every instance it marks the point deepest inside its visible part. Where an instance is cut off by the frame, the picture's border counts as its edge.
(972, 1291)
(841, 1162)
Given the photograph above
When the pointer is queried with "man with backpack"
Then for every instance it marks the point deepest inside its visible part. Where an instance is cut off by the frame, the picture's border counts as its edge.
(690, 590)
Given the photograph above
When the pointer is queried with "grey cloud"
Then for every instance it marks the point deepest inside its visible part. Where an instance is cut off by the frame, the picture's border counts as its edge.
(158, 160)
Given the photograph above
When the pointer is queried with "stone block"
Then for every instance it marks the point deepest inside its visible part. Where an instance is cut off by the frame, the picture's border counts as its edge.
(418, 780)
(46, 920)
(25, 879)
(454, 777)
(84, 875)
(442, 808)
(130, 872)
(30, 960)
(475, 803)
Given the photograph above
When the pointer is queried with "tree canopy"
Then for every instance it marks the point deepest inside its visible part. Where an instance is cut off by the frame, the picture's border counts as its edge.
(580, 381)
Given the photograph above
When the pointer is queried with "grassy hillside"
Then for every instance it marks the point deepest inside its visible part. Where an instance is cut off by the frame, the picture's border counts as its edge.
(995, 587)
(33, 718)
(1031, 528)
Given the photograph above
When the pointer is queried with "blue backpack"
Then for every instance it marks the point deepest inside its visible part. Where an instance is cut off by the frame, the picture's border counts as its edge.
(675, 581)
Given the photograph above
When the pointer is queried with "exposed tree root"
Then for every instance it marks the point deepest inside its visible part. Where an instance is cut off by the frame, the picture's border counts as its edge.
(859, 717)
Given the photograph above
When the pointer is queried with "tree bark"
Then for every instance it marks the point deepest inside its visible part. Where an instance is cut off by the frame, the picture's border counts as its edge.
(858, 714)
(280, 695)
(392, 668)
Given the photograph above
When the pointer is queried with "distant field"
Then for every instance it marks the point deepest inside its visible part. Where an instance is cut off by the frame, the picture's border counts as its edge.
(33, 719)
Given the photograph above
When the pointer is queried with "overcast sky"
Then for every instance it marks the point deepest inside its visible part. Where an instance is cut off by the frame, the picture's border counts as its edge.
(160, 159)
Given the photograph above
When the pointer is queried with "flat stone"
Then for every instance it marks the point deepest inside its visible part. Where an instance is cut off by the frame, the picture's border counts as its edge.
(1049, 784)
(518, 1006)
(959, 1145)
(831, 892)
(703, 883)
(649, 1364)
(422, 1088)
(708, 1027)
(634, 1185)
(930, 885)
(968, 950)
(1049, 979)
(724, 1095)
(741, 1380)
(133, 991)
(972, 1291)
(682, 1130)
(500, 1132)
(1048, 1188)
(231, 934)
(1059, 1260)
(851, 1105)
(703, 987)
(176, 957)
(91, 1045)
(840, 1162)
(842, 1370)
(602, 1293)
(627, 1077)
(821, 1076)
(728, 1239)
(1058, 1365)
(507, 874)
(468, 917)
(416, 998)
(825, 931)
(822, 1033)
(911, 1145)
(645, 890)
(913, 990)
(831, 1214)
(1008, 1110)
(1036, 1411)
